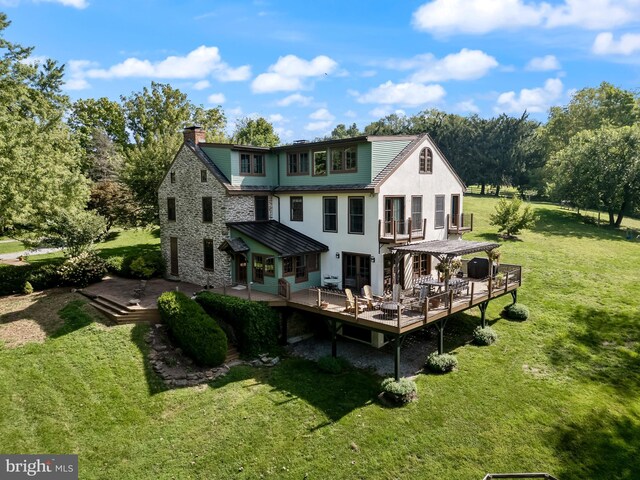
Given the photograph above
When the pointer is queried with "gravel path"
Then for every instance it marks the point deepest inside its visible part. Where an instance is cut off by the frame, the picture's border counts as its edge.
(36, 251)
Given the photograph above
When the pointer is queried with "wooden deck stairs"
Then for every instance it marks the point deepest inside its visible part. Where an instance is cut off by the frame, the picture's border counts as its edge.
(122, 314)
(232, 355)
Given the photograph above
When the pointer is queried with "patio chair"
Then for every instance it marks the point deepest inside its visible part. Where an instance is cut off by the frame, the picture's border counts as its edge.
(350, 304)
(373, 301)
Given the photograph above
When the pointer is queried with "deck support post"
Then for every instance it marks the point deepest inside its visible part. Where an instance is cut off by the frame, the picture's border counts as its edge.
(440, 326)
(397, 344)
(483, 309)
(334, 341)
(514, 295)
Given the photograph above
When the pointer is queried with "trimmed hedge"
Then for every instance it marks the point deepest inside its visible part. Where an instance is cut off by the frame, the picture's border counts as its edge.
(400, 391)
(144, 266)
(197, 333)
(484, 336)
(516, 311)
(13, 277)
(441, 363)
(256, 326)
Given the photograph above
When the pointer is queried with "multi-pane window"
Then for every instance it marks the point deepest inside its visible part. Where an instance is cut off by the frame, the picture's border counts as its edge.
(356, 215)
(416, 213)
(172, 177)
(439, 219)
(203, 175)
(320, 163)
(330, 214)
(171, 209)
(426, 160)
(261, 207)
(301, 268)
(296, 209)
(258, 268)
(313, 262)
(421, 265)
(208, 254)
(207, 209)
(269, 267)
(287, 266)
(344, 160)
(298, 163)
(251, 164)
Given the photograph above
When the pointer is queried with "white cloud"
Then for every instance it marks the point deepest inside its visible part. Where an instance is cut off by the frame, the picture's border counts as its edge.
(410, 94)
(75, 79)
(350, 114)
(289, 73)
(70, 3)
(283, 133)
(543, 64)
(202, 62)
(368, 73)
(464, 65)
(380, 112)
(483, 16)
(467, 106)
(605, 44)
(320, 125)
(201, 85)
(217, 98)
(294, 98)
(533, 100)
(277, 118)
(321, 114)
(236, 111)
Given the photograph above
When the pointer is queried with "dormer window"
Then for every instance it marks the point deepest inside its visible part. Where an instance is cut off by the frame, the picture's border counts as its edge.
(343, 160)
(252, 164)
(426, 160)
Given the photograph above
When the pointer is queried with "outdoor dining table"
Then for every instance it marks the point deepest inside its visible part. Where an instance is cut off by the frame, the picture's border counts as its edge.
(434, 285)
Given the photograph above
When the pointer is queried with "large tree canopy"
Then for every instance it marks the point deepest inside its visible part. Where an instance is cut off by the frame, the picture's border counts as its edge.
(255, 131)
(39, 159)
(601, 168)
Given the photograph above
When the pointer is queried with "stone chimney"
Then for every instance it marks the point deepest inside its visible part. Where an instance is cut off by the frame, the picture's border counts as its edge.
(195, 134)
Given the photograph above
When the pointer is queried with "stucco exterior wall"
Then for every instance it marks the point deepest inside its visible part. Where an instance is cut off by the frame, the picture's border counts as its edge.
(189, 228)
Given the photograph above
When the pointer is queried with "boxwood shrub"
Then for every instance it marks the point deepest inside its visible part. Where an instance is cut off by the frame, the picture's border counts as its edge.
(516, 311)
(399, 391)
(484, 336)
(14, 277)
(194, 331)
(144, 266)
(255, 325)
(83, 270)
(442, 363)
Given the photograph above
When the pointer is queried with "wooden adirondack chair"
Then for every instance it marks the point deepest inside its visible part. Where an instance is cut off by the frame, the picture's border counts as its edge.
(373, 301)
(350, 304)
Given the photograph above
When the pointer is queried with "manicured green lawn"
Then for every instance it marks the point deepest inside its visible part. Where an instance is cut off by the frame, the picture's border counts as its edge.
(10, 247)
(557, 393)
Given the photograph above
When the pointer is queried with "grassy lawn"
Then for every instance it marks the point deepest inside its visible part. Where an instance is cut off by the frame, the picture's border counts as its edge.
(11, 246)
(558, 393)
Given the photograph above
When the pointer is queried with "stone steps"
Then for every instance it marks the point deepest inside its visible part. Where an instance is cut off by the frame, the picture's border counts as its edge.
(232, 355)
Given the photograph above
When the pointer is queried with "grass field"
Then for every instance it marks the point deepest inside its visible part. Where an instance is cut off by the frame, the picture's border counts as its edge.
(7, 246)
(559, 393)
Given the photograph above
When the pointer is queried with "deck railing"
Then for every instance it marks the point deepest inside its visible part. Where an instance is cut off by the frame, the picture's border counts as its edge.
(460, 223)
(401, 230)
(284, 288)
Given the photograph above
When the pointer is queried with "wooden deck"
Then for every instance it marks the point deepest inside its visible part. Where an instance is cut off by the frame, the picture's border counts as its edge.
(411, 315)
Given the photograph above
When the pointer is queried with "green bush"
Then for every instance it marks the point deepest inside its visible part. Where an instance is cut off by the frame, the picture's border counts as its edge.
(484, 336)
(27, 288)
(516, 311)
(197, 333)
(334, 365)
(83, 270)
(148, 265)
(114, 264)
(401, 391)
(256, 326)
(442, 363)
(13, 277)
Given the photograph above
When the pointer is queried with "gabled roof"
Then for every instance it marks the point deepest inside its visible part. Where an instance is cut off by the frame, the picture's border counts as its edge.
(233, 245)
(278, 237)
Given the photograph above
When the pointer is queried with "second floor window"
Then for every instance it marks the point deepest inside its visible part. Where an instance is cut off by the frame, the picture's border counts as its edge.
(207, 209)
(208, 254)
(261, 203)
(343, 160)
(426, 160)
(298, 163)
(251, 164)
(203, 175)
(320, 163)
(330, 214)
(416, 213)
(296, 209)
(356, 215)
(439, 219)
(171, 209)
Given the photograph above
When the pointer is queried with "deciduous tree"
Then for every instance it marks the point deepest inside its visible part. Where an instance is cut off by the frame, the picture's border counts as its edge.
(255, 131)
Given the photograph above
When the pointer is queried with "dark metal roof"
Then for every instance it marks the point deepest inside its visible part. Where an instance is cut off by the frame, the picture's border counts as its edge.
(278, 237)
(234, 245)
(323, 188)
(449, 248)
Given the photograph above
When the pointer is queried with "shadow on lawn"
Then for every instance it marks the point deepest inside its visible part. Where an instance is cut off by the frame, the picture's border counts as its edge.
(569, 224)
(603, 347)
(602, 446)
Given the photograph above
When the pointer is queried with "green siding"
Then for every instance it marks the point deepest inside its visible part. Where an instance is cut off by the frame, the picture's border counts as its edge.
(384, 152)
(269, 179)
(314, 280)
(361, 177)
(221, 157)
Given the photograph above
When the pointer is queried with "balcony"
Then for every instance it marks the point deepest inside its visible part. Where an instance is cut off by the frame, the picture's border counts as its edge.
(401, 231)
(459, 224)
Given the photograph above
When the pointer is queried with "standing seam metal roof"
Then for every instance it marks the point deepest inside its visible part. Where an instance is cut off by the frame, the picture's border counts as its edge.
(278, 237)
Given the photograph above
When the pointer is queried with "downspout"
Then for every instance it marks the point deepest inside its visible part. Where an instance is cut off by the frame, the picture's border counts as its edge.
(278, 184)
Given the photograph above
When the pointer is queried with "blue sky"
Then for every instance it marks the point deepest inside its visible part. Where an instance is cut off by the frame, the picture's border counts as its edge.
(307, 66)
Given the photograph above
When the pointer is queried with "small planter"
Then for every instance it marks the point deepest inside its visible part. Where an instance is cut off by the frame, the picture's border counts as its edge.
(324, 305)
(434, 303)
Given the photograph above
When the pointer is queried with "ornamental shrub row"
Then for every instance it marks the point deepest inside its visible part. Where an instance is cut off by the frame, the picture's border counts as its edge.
(516, 311)
(484, 336)
(441, 363)
(144, 266)
(254, 324)
(399, 391)
(194, 331)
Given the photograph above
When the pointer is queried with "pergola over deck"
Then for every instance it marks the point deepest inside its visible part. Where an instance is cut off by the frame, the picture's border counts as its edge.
(443, 249)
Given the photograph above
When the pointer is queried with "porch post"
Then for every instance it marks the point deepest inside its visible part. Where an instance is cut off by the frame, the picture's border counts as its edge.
(398, 343)
(483, 309)
(440, 325)
(334, 344)
(514, 296)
